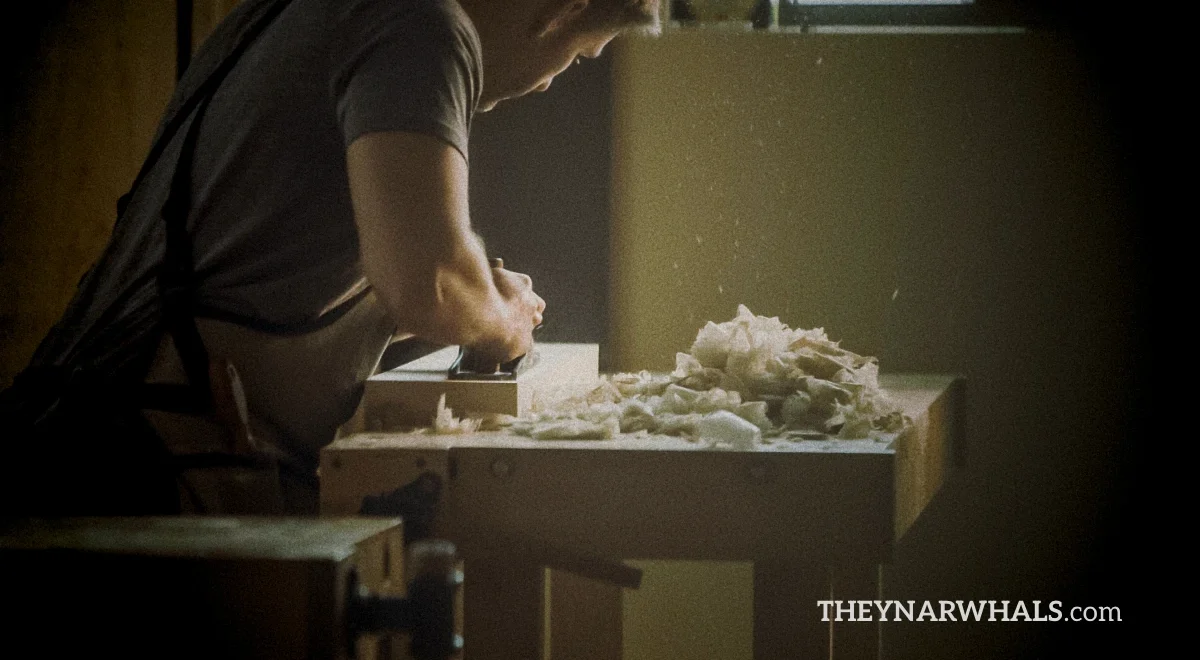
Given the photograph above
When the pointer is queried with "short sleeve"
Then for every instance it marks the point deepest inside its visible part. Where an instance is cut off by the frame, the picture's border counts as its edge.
(400, 65)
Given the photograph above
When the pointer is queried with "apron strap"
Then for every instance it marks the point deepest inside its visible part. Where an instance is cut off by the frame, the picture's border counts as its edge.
(266, 11)
(176, 273)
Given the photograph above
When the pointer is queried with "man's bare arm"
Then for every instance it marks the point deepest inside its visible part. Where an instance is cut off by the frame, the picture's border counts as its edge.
(418, 251)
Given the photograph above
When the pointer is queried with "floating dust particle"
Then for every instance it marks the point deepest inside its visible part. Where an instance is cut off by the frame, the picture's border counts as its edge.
(895, 293)
(699, 240)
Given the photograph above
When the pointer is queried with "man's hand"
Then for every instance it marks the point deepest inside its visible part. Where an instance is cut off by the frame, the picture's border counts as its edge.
(517, 290)
(418, 251)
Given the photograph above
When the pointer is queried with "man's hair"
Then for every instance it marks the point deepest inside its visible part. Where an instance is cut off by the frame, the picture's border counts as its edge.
(640, 15)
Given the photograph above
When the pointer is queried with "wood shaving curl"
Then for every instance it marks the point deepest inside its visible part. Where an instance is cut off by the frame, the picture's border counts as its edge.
(742, 382)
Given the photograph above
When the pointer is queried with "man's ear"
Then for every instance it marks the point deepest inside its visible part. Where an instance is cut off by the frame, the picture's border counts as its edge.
(558, 15)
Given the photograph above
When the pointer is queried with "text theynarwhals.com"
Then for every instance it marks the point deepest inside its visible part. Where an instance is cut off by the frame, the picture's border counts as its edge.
(1033, 611)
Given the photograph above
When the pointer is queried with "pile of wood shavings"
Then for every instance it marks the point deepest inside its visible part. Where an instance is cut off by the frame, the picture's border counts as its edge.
(746, 381)
(445, 423)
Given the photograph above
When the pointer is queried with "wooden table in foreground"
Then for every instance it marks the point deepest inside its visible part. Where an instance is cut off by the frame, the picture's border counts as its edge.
(816, 517)
(245, 588)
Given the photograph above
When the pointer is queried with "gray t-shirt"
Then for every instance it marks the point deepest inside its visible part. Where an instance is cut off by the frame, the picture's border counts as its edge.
(274, 238)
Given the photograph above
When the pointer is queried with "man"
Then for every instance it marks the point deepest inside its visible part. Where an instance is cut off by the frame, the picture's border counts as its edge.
(306, 201)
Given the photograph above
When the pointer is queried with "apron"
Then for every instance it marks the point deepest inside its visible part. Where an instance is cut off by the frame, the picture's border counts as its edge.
(272, 398)
(298, 388)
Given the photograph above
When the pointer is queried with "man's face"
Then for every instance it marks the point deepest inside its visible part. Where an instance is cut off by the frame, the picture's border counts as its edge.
(532, 66)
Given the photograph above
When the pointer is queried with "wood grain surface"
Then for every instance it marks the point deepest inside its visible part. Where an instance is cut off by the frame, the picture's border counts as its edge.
(667, 497)
(407, 396)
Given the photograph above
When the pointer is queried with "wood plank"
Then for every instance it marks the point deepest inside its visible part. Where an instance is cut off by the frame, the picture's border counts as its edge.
(407, 396)
(677, 505)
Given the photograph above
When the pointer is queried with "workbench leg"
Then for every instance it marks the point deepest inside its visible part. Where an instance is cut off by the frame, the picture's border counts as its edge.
(503, 608)
(787, 620)
(858, 640)
(585, 618)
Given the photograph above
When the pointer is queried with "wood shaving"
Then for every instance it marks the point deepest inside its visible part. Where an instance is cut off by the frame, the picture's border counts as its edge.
(743, 382)
(445, 423)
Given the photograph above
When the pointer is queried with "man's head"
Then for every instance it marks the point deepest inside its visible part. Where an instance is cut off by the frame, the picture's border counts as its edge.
(526, 43)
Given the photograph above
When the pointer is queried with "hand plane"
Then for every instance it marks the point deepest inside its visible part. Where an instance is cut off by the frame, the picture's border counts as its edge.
(467, 366)
(470, 366)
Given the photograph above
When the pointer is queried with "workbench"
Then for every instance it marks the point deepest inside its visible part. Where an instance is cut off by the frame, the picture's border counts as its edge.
(817, 518)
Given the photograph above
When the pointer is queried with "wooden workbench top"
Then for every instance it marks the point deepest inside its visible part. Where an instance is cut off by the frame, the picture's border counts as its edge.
(667, 497)
(914, 393)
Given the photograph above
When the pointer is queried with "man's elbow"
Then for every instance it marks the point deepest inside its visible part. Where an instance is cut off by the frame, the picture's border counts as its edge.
(411, 298)
(431, 304)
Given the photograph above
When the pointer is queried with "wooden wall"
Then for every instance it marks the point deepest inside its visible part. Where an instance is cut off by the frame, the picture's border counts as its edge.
(948, 203)
(82, 115)
(80, 108)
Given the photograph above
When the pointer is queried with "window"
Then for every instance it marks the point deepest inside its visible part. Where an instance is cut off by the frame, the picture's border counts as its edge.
(853, 15)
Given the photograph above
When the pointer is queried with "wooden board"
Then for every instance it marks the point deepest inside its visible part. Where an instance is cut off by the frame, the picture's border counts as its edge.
(407, 396)
(285, 539)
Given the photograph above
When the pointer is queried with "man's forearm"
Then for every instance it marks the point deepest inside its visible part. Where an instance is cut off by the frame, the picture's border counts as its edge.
(451, 299)
(418, 250)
